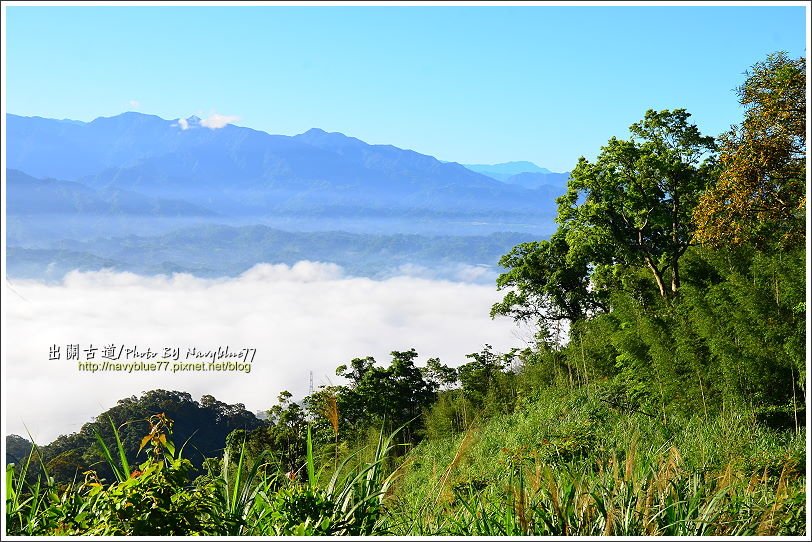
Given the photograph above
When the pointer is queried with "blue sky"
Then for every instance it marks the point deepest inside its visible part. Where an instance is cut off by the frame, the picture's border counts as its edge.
(468, 84)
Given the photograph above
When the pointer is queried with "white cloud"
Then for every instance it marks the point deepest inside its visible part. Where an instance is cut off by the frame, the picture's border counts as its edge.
(135, 104)
(217, 120)
(460, 272)
(300, 318)
(183, 123)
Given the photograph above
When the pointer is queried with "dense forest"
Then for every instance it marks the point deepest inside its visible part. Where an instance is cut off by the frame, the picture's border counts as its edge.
(664, 394)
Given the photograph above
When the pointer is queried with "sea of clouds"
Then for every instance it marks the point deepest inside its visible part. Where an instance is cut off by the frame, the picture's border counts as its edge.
(301, 318)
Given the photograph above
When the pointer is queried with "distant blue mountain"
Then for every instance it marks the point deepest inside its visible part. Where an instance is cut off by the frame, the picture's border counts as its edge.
(534, 181)
(503, 171)
(392, 162)
(26, 195)
(72, 149)
(236, 170)
(140, 193)
(527, 175)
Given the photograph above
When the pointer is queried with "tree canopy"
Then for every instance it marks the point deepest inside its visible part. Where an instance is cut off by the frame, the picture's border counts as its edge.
(761, 193)
(546, 284)
(633, 205)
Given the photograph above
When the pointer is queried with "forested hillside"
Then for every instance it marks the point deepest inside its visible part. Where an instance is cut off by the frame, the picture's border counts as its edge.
(664, 394)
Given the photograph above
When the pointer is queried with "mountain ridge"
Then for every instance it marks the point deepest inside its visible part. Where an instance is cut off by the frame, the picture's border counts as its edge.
(247, 170)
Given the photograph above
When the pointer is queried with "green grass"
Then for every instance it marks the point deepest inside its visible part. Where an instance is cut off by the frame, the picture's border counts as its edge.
(245, 496)
(565, 464)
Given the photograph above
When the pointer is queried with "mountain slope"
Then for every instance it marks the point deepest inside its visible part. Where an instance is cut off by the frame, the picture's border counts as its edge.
(241, 170)
(533, 181)
(26, 195)
(503, 171)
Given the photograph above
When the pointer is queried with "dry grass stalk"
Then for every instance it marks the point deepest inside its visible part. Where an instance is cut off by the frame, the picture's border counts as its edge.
(331, 412)
(630, 457)
(535, 482)
(669, 469)
(583, 501)
(648, 506)
(767, 525)
(521, 509)
(552, 487)
(755, 481)
(466, 443)
(608, 528)
(726, 478)
(615, 464)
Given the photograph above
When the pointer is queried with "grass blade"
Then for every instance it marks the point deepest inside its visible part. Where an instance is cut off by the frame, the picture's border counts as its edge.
(311, 467)
(125, 465)
(109, 458)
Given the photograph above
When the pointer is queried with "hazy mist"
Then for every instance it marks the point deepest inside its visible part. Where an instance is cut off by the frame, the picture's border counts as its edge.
(300, 318)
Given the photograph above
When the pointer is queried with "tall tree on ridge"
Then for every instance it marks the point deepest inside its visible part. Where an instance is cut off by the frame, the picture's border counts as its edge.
(761, 193)
(634, 204)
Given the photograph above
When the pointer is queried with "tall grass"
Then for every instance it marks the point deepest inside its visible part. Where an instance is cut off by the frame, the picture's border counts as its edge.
(121, 468)
(237, 490)
(566, 466)
(623, 497)
(249, 496)
(570, 466)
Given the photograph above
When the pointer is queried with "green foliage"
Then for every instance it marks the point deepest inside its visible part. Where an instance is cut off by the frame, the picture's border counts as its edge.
(311, 467)
(17, 448)
(160, 498)
(547, 283)
(633, 205)
(752, 322)
(479, 377)
(153, 499)
(760, 197)
(569, 464)
(451, 413)
(395, 395)
(300, 512)
(487, 388)
(121, 469)
(283, 433)
(155, 502)
(733, 336)
(636, 412)
(208, 422)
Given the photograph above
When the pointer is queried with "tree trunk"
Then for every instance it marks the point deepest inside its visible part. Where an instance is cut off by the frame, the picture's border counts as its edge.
(675, 282)
(675, 239)
(658, 276)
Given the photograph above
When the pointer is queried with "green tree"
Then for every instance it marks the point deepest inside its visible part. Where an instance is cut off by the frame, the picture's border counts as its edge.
(287, 430)
(547, 283)
(486, 381)
(397, 393)
(206, 425)
(634, 204)
(439, 376)
(17, 448)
